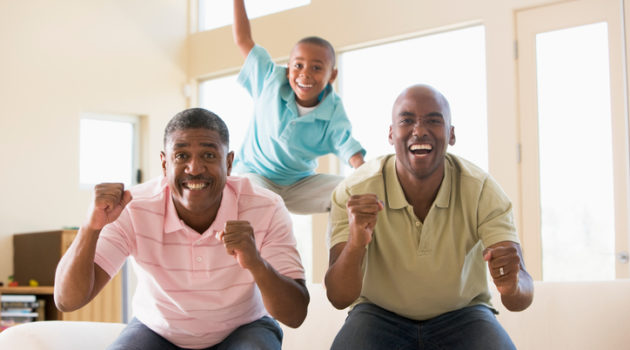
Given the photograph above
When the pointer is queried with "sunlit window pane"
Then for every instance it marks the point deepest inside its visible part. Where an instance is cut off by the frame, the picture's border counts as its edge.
(106, 151)
(230, 101)
(302, 229)
(575, 146)
(453, 62)
(218, 13)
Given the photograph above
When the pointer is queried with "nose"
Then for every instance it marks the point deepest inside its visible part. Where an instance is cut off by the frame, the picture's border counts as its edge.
(195, 166)
(418, 129)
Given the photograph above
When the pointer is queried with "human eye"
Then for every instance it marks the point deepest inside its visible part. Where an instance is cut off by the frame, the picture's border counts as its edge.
(180, 156)
(435, 121)
(297, 65)
(209, 155)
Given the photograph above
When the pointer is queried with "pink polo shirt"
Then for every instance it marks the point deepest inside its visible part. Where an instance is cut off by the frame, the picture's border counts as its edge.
(190, 291)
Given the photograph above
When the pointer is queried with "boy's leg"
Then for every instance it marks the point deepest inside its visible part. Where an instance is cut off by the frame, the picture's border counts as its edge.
(263, 182)
(311, 195)
(262, 334)
(137, 336)
(470, 328)
(369, 327)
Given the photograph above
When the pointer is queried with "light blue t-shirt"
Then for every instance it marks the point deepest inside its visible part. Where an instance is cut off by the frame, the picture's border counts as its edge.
(279, 144)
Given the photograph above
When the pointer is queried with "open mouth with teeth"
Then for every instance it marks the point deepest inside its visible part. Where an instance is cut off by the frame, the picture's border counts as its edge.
(195, 186)
(303, 86)
(420, 149)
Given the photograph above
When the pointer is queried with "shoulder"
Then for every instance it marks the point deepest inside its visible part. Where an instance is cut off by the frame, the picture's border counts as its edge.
(336, 103)
(250, 195)
(465, 169)
(472, 178)
(258, 53)
(149, 195)
(259, 64)
(368, 177)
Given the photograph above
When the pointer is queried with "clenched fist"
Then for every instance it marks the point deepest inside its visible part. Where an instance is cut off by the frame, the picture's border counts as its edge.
(239, 241)
(362, 210)
(109, 201)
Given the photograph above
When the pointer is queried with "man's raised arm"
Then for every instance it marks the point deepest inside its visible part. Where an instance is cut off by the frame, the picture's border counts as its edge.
(78, 279)
(344, 278)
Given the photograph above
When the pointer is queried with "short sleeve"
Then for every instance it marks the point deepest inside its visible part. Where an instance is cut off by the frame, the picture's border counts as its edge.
(113, 247)
(257, 67)
(345, 145)
(279, 247)
(494, 215)
(338, 226)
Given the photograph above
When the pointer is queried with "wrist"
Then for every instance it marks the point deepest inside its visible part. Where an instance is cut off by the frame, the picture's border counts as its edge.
(89, 229)
(258, 266)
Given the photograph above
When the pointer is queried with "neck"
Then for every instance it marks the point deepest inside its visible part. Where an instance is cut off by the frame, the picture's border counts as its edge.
(421, 192)
(199, 222)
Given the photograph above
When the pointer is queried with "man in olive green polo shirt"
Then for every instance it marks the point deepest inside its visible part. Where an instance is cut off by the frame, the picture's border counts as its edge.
(413, 236)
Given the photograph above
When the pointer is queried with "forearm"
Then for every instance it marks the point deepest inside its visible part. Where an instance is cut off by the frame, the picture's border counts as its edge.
(524, 295)
(241, 29)
(344, 278)
(285, 299)
(74, 277)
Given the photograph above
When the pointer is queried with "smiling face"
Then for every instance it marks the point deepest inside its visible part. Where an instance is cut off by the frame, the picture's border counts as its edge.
(420, 132)
(310, 69)
(196, 164)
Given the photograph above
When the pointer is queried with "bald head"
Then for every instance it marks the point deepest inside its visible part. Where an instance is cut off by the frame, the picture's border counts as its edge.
(424, 94)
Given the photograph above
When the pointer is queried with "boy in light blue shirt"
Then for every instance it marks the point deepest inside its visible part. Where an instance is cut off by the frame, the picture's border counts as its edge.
(297, 118)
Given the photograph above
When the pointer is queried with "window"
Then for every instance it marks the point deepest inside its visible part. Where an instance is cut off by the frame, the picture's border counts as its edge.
(108, 150)
(230, 101)
(218, 13)
(453, 62)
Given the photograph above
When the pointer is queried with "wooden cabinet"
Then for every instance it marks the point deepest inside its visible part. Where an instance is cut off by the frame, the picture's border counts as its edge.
(35, 256)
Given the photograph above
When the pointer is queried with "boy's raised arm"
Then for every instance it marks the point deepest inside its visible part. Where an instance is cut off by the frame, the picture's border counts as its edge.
(241, 30)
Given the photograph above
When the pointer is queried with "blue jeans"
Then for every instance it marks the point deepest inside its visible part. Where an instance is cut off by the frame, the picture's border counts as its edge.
(262, 334)
(369, 327)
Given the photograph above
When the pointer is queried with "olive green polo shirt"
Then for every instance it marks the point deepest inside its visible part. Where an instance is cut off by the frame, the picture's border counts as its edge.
(423, 269)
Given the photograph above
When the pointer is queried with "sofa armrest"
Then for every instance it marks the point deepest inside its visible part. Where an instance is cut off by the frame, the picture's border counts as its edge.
(60, 335)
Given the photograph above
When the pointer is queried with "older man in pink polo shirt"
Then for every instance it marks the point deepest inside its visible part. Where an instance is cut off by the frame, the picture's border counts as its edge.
(215, 257)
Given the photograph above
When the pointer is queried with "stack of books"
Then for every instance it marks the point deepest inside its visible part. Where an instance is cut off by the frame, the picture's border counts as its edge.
(16, 309)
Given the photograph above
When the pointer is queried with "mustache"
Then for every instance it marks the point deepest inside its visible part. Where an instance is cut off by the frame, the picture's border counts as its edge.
(196, 178)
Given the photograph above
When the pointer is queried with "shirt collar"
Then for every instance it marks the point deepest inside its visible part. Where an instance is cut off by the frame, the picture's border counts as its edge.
(324, 110)
(396, 196)
(228, 210)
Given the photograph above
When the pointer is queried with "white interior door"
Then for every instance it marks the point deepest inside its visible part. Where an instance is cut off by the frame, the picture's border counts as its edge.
(574, 140)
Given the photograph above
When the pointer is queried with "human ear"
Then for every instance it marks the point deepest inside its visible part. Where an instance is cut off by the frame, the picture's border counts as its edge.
(229, 159)
(390, 137)
(163, 160)
(333, 76)
(451, 138)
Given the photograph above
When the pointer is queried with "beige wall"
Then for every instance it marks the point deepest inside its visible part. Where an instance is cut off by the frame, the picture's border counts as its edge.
(59, 59)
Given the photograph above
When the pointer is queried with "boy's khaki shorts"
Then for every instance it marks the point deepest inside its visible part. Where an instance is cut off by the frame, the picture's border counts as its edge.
(308, 196)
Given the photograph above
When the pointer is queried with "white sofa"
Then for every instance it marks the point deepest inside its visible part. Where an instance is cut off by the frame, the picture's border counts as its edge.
(317, 331)
(563, 315)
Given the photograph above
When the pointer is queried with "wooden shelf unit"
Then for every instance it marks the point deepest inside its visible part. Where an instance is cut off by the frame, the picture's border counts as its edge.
(106, 307)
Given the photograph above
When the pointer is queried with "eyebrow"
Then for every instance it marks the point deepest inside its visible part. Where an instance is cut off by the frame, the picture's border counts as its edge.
(299, 58)
(203, 144)
(428, 115)
(434, 114)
